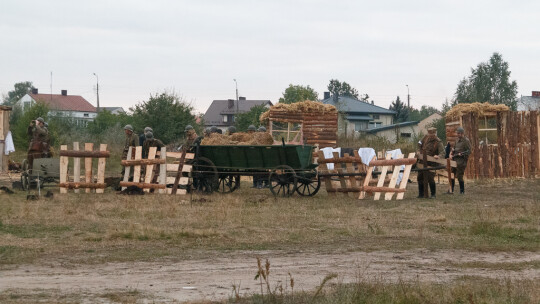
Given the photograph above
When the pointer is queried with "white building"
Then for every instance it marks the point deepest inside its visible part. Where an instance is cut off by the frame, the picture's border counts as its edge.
(529, 103)
(61, 105)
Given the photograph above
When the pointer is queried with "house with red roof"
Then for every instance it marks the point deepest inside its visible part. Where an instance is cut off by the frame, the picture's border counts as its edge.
(62, 105)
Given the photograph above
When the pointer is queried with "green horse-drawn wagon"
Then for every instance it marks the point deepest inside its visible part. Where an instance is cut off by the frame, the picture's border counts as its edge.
(288, 168)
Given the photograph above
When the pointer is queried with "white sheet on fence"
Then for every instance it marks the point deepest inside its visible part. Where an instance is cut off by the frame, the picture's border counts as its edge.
(366, 154)
(328, 153)
(395, 154)
(9, 144)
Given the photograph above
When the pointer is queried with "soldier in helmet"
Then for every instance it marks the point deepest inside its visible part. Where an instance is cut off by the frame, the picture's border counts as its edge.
(38, 143)
(261, 129)
(430, 145)
(191, 138)
(251, 129)
(132, 140)
(460, 153)
(231, 130)
(142, 137)
(213, 129)
(149, 142)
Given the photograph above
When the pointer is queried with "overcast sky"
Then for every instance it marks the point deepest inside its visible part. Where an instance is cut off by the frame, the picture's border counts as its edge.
(197, 48)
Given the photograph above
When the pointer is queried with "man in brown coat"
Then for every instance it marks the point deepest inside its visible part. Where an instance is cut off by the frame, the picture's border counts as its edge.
(39, 140)
(430, 145)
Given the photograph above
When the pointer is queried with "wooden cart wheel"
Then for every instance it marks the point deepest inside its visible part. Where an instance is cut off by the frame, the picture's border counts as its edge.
(309, 185)
(25, 182)
(228, 183)
(282, 181)
(205, 175)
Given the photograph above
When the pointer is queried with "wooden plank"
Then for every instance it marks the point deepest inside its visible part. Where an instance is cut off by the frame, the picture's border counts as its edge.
(342, 181)
(367, 179)
(177, 155)
(143, 162)
(127, 170)
(178, 174)
(394, 162)
(137, 168)
(382, 177)
(178, 191)
(145, 186)
(64, 161)
(393, 180)
(405, 178)
(350, 169)
(87, 186)
(101, 167)
(184, 180)
(76, 166)
(94, 154)
(174, 168)
(387, 190)
(149, 172)
(88, 166)
(323, 168)
(163, 170)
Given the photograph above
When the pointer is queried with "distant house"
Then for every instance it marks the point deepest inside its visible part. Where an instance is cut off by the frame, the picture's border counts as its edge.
(359, 116)
(221, 112)
(113, 110)
(529, 103)
(405, 131)
(61, 105)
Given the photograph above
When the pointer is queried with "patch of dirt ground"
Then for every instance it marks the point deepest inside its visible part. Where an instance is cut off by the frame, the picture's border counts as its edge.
(213, 278)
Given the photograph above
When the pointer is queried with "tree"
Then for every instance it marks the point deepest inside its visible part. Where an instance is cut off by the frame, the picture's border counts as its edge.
(20, 89)
(402, 112)
(489, 82)
(106, 120)
(424, 112)
(337, 89)
(243, 120)
(166, 113)
(296, 93)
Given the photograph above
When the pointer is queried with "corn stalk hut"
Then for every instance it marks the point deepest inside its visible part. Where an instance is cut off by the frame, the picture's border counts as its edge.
(503, 143)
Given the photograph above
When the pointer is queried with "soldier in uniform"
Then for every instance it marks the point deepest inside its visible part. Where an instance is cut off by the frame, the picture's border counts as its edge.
(149, 142)
(132, 140)
(38, 143)
(231, 130)
(430, 145)
(262, 129)
(142, 137)
(191, 138)
(460, 153)
(251, 129)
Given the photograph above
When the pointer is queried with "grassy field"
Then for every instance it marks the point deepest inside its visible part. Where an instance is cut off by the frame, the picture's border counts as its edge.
(494, 216)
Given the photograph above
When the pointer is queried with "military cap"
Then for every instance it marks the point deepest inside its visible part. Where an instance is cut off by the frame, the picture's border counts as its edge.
(460, 130)
(40, 119)
(232, 129)
(148, 129)
(188, 127)
(128, 127)
(149, 135)
(262, 129)
(252, 128)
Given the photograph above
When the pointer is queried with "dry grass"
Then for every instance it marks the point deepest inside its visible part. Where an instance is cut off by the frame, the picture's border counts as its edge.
(495, 216)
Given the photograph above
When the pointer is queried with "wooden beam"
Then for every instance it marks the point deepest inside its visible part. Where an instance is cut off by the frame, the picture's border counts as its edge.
(76, 166)
(64, 161)
(93, 154)
(393, 162)
(145, 186)
(137, 168)
(382, 177)
(163, 169)
(127, 170)
(143, 162)
(387, 190)
(405, 178)
(101, 167)
(388, 195)
(89, 178)
(87, 186)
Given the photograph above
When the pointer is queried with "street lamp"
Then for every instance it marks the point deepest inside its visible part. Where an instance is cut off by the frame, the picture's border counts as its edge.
(408, 96)
(97, 90)
(236, 83)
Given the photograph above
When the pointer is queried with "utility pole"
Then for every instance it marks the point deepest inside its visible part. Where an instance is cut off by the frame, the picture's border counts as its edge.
(408, 97)
(236, 98)
(97, 91)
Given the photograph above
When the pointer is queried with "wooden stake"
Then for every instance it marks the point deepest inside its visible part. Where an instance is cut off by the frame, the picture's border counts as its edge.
(101, 168)
(150, 168)
(162, 169)
(367, 180)
(88, 165)
(127, 170)
(405, 178)
(393, 180)
(382, 177)
(76, 166)
(137, 169)
(64, 161)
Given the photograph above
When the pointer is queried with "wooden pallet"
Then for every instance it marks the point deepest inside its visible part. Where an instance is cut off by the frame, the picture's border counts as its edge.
(386, 166)
(89, 154)
(167, 165)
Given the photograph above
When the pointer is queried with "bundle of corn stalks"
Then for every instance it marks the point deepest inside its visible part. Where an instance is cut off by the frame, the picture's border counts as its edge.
(476, 107)
(307, 106)
(241, 139)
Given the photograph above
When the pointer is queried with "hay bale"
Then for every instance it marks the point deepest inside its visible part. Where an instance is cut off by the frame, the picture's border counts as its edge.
(476, 107)
(216, 139)
(240, 138)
